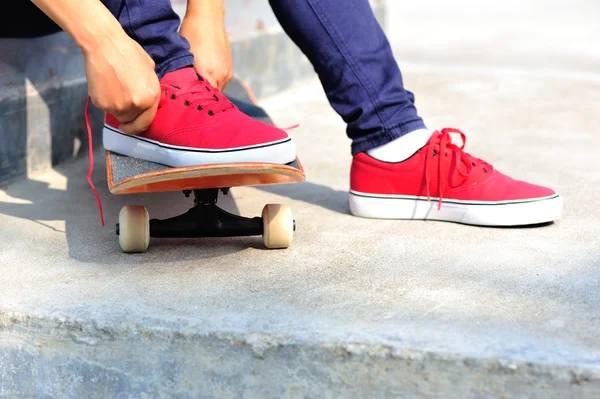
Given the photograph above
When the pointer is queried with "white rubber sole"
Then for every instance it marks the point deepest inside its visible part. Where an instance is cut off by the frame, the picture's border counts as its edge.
(504, 213)
(280, 152)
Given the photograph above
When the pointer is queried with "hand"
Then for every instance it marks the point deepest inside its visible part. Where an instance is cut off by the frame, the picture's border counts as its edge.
(120, 75)
(204, 27)
(122, 82)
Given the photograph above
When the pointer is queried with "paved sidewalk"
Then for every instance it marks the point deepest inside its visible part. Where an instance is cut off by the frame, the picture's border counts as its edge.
(355, 306)
(519, 296)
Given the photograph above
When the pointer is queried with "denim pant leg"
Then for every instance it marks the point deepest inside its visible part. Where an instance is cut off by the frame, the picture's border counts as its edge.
(155, 26)
(356, 66)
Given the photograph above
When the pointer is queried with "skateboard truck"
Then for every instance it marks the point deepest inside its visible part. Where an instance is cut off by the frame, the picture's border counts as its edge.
(128, 175)
(205, 219)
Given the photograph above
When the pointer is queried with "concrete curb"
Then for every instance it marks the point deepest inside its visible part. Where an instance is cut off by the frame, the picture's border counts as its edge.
(77, 358)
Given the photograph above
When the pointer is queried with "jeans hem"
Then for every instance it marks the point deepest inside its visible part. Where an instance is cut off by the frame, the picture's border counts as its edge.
(385, 136)
(174, 64)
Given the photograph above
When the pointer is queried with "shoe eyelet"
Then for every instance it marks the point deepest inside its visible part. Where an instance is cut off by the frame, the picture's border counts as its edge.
(485, 170)
(215, 97)
(473, 164)
(211, 113)
(186, 103)
(199, 108)
(172, 96)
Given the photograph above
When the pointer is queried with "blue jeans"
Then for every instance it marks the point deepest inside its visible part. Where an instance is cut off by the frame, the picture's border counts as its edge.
(155, 26)
(344, 43)
(354, 61)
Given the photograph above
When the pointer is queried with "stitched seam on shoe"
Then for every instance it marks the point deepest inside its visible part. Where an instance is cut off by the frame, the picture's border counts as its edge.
(188, 129)
(486, 181)
(184, 148)
(470, 187)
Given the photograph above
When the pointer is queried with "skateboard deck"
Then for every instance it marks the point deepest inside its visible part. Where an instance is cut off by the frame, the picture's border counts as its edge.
(131, 176)
(128, 175)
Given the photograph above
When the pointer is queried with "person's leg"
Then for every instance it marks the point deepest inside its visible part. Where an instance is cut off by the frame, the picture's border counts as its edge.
(195, 123)
(356, 66)
(155, 26)
(191, 125)
(398, 166)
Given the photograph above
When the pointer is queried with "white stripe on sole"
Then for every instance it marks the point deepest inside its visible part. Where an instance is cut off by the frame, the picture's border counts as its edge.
(280, 152)
(505, 213)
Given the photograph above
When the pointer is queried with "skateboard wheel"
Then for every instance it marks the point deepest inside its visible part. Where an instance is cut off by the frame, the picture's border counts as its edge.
(134, 229)
(278, 226)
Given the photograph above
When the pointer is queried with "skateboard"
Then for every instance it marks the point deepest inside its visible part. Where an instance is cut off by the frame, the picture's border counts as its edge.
(128, 175)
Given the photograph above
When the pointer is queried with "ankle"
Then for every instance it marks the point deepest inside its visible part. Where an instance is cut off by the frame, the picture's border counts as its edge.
(401, 148)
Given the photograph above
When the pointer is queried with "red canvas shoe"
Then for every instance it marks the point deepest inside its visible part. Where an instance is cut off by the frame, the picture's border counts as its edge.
(196, 124)
(442, 182)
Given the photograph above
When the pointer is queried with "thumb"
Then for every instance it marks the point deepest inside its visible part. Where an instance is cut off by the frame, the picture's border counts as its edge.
(206, 76)
(141, 122)
(213, 82)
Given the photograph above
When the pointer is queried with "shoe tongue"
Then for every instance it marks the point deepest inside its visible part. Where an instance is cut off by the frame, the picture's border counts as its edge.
(180, 77)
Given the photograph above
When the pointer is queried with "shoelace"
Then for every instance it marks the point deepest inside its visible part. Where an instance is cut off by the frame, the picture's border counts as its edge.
(91, 159)
(201, 93)
(443, 141)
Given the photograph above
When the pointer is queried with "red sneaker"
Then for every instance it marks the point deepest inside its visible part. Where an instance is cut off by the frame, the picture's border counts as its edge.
(196, 124)
(442, 182)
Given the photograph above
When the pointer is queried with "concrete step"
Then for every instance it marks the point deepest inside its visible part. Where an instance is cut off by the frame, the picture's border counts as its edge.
(355, 308)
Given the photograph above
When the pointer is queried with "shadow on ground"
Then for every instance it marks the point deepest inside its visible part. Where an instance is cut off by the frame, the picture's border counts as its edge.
(313, 193)
(46, 203)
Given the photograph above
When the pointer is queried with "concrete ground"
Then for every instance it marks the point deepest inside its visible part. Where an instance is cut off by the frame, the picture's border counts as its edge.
(355, 307)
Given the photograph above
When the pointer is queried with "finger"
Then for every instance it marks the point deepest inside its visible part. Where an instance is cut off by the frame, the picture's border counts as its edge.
(225, 82)
(126, 117)
(141, 123)
(132, 112)
(213, 82)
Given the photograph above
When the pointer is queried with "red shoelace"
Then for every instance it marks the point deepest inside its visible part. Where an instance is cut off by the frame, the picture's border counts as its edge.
(440, 145)
(91, 159)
